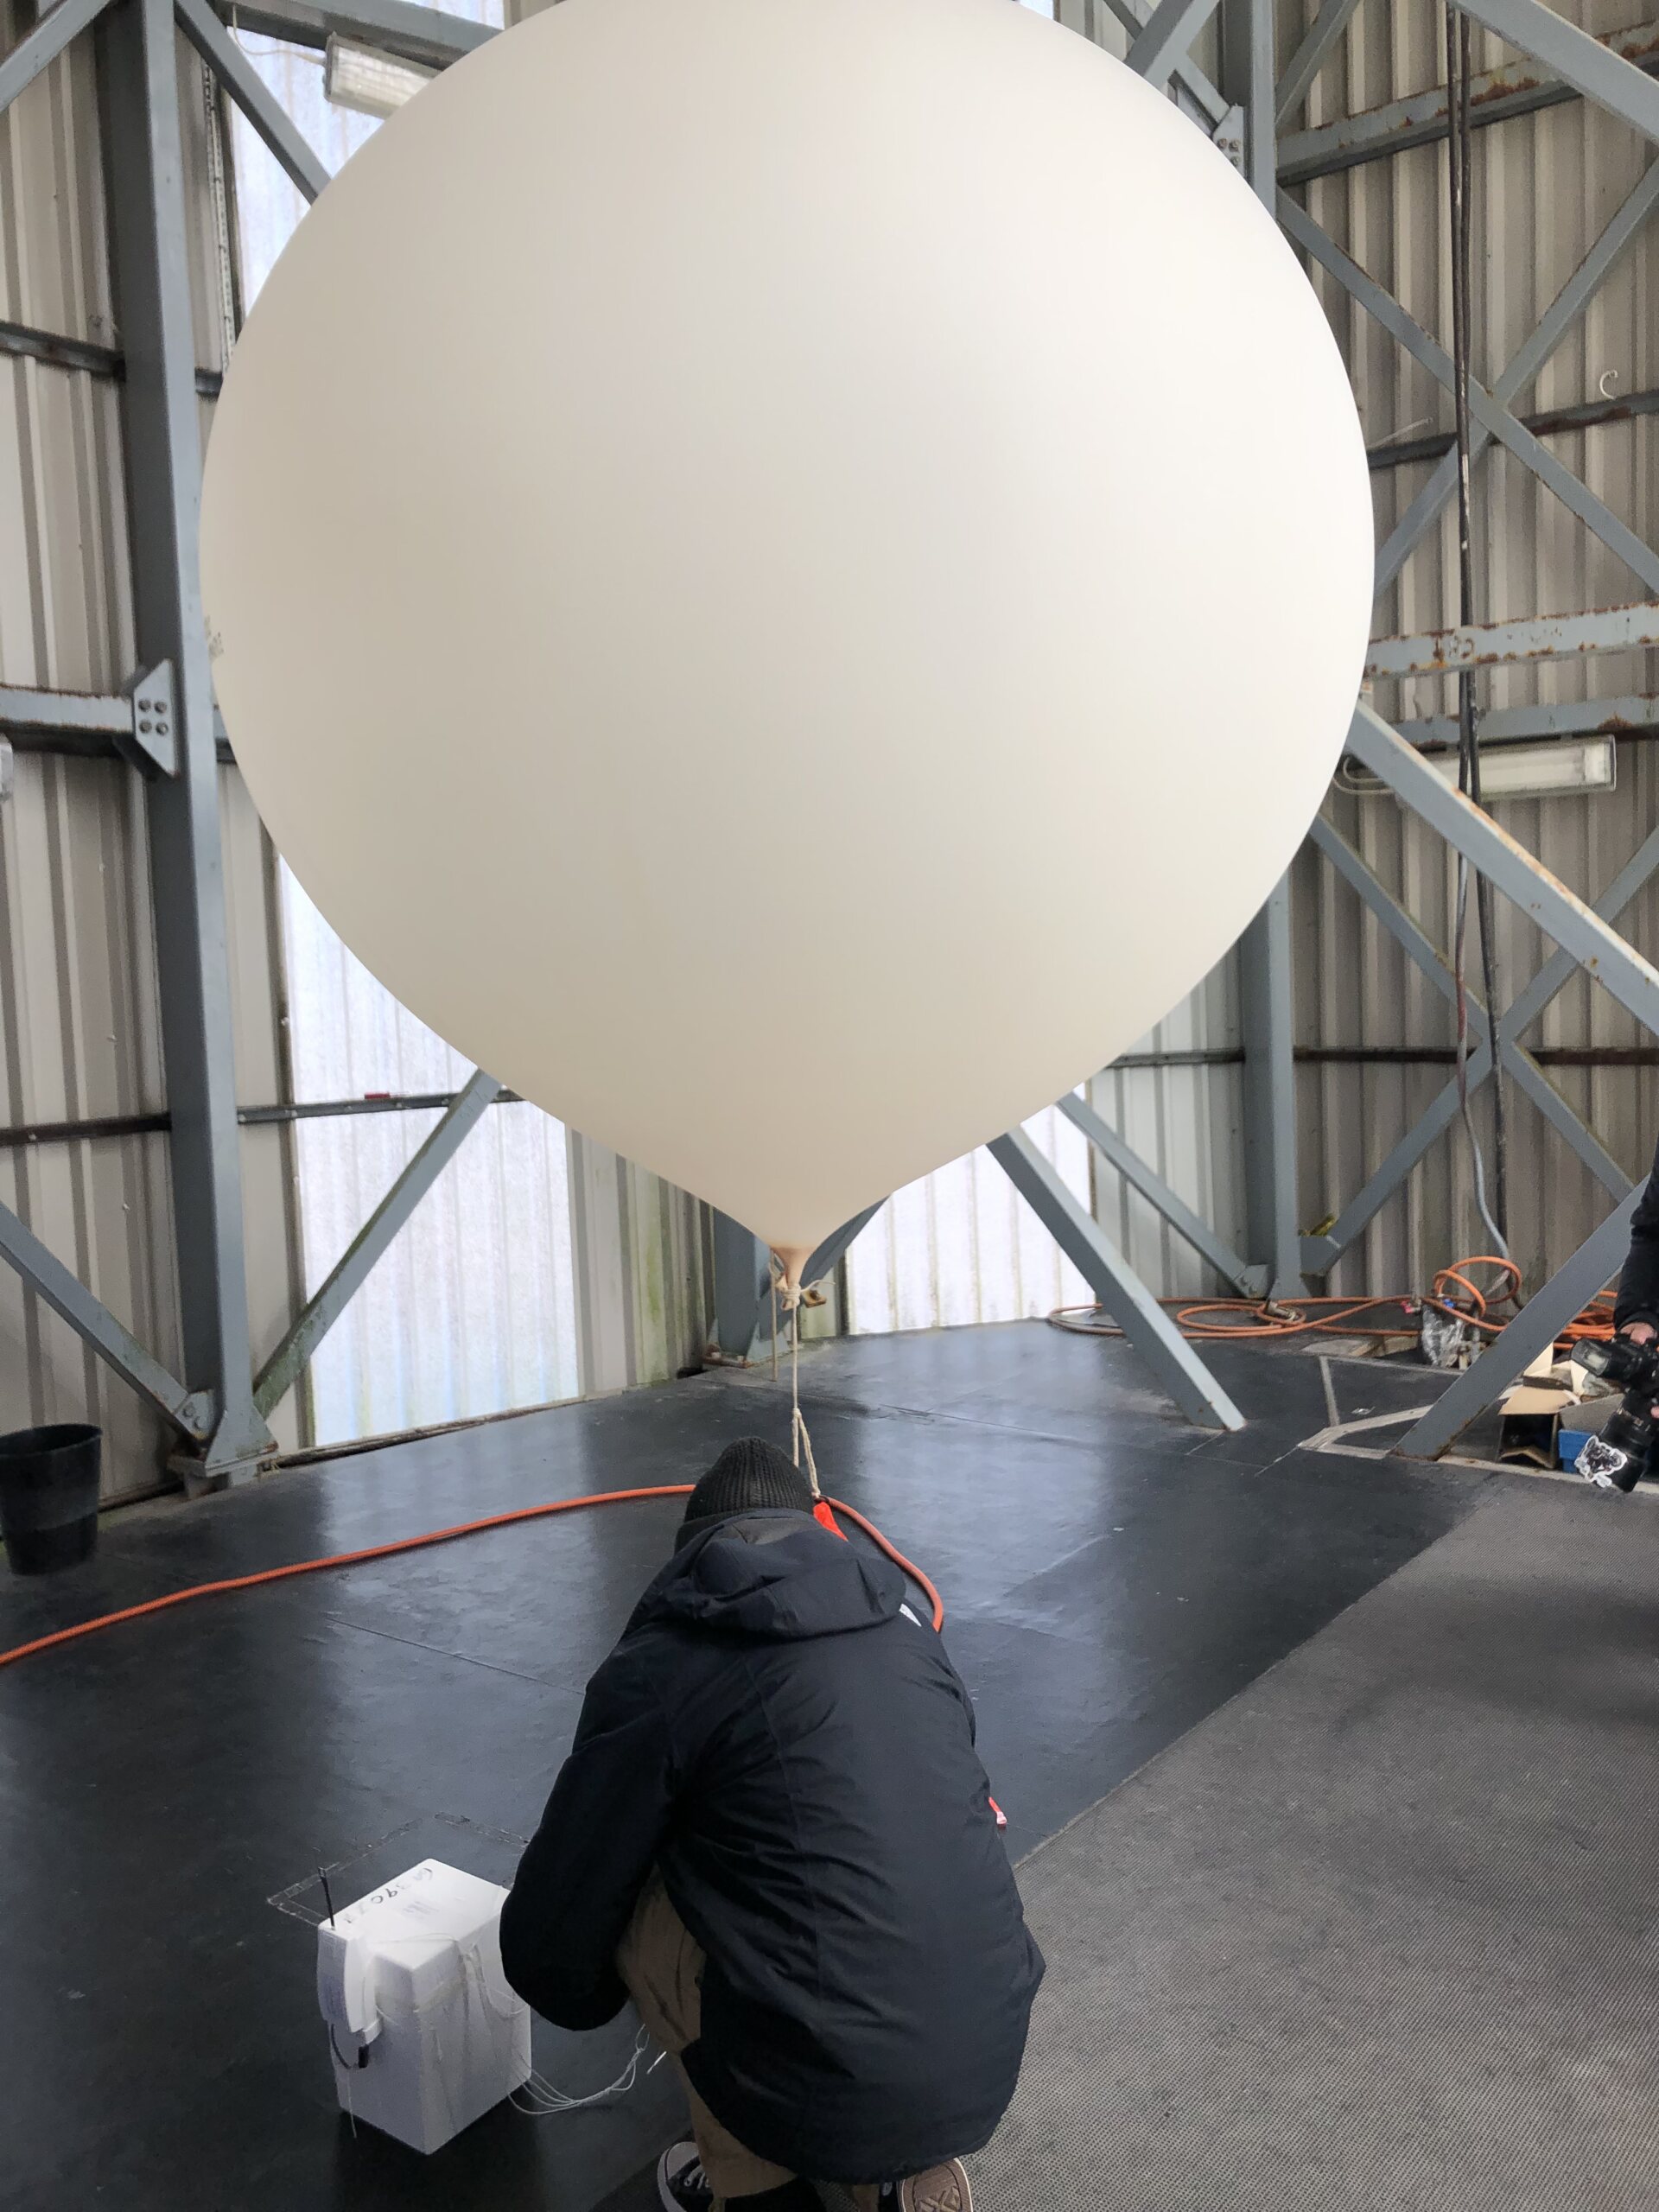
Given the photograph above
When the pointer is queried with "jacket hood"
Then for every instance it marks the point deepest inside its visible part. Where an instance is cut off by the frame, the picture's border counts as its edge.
(776, 1575)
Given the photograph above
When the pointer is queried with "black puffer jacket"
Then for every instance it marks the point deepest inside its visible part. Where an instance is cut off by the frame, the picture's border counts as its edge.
(1638, 1285)
(789, 1742)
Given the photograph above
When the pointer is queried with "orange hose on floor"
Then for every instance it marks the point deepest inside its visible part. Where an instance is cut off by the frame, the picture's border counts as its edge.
(439, 1536)
(1453, 1292)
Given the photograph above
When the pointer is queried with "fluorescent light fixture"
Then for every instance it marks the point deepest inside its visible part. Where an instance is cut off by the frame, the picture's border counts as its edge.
(1545, 770)
(367, 81)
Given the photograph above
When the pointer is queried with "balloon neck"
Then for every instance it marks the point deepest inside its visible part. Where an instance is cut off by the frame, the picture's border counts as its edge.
(789, 1260)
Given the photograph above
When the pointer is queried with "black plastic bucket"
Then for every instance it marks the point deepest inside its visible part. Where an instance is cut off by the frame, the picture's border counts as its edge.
(48, 1495)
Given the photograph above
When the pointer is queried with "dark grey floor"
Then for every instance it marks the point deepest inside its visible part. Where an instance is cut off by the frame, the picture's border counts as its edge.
(167, 1788)
(1380, 1932)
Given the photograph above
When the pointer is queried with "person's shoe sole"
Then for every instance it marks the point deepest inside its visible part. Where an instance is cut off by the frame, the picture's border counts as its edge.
(673, 2162)
(941, 2189)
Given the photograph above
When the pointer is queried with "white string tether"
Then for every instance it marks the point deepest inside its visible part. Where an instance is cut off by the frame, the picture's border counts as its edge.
(791, 1294)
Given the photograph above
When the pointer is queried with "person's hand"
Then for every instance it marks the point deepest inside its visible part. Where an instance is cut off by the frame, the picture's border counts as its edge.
(1642, 1332)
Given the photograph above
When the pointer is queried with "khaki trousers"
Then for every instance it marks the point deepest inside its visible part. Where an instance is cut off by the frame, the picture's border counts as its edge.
(661, 1964)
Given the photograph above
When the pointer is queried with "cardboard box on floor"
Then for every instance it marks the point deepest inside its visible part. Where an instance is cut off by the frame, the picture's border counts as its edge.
(1533, 1412)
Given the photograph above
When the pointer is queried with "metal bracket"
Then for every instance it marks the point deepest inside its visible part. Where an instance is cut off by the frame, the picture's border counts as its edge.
(149, 742)
(1228, 137)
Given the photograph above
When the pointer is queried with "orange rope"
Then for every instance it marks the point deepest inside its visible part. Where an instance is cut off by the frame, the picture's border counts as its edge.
(438, 1536)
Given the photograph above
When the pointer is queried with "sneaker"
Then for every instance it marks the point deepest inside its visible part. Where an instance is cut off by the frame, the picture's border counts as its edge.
(941, 2189)
(681, 2182)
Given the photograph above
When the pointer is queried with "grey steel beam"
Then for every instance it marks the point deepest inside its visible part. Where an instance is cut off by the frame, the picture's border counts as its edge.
(1540, 637)
(1269, 1014)
(1573, 1131)
(1534, 1329)
(1264, 950)
(1408, 934)
(266, 113)
(1518, 88)
(23, 343)
(39, 48)
(286, 1365)
(1563, 718)
(1616, 965)
(1191, 82)
(1320, 37)
(1248, 1282)
(68, 714)
(1530, 1079)
(150, 232)
(1116, 1287)
(743, 1278)
(1169, 31)
(191, 1412)
(1321, 1253)
(428, 35)
(1386, 310)
(1579, 929)
(742, 1273)
(1576, 58)
(1544, 422)
(1560, 968)
(833, 1248)
(1568, 305)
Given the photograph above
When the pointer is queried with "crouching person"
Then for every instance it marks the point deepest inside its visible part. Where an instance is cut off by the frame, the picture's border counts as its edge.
(774, 1832)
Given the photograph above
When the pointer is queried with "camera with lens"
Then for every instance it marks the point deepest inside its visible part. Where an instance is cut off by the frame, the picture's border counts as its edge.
(1618, 1459)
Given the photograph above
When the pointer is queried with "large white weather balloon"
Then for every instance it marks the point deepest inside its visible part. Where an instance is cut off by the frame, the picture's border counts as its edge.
(788, 573)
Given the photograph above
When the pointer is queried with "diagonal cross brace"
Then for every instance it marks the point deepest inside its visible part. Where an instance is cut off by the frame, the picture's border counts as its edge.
(40, 48)
(1169, 31)
(191, 1412)
(1527, 1074)
(1565, 310)
(1576, 59)
(1542, 897)
(269, 118)
(1119, 1290)
(1493, 417)
(1310, 56)
(1534, 1329)
(1247, 1281)
(1189, 78)
(1320, 1253)
(282, 1370)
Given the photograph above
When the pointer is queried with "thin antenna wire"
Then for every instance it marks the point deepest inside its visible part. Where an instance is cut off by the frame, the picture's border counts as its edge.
(1459, 60)
(327, 1894)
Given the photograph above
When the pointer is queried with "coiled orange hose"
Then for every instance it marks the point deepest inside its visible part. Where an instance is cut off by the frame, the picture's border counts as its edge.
(1453, 1292)
(438, 1536)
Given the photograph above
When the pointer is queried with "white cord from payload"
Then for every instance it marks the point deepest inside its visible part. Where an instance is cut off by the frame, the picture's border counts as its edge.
(544, 2099)
(791, 1295)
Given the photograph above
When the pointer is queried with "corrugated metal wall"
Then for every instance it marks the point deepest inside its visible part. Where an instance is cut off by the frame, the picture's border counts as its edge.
(78, 1025)
(960, 1246)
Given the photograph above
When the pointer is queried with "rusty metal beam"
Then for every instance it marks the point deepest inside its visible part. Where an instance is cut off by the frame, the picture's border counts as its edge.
(1541, 637)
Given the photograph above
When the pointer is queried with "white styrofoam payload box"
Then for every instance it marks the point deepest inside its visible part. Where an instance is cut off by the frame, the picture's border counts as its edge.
(425, 2033)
